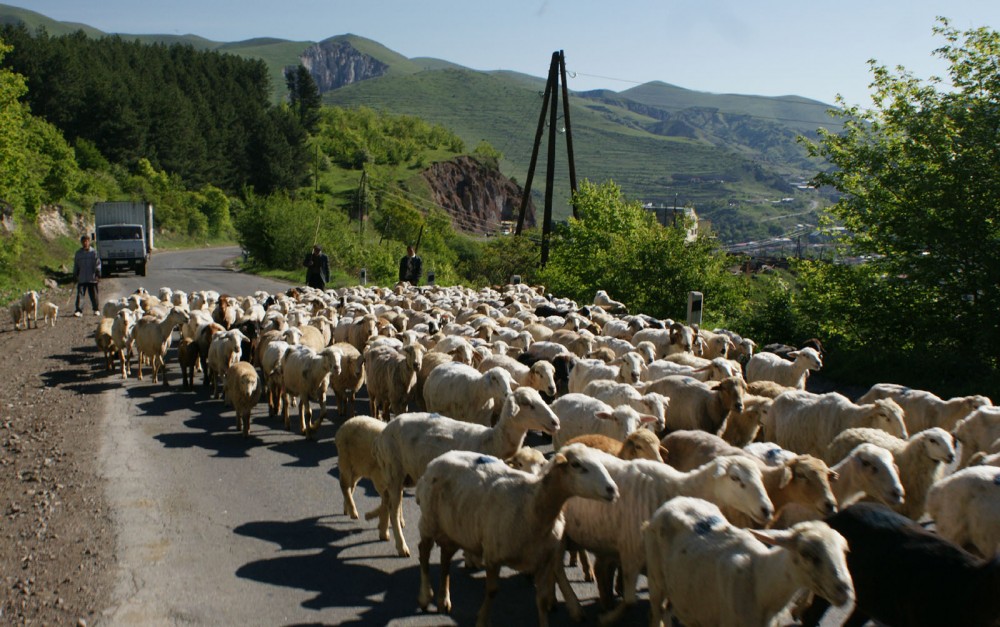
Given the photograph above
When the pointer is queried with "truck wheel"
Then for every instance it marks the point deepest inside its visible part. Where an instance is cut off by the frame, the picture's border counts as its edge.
(105, 272)
(141, 269)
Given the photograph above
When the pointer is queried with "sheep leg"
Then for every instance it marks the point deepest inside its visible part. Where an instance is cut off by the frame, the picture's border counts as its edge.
(444, 594)
(314, 426)
(630, 576)
(163, 372)
(305, 413)
(605, 572)
(138, 365)
(395, 507)
(284, 409)
(492, 586)
(569, 595)
(585, 566)
(545, 594)
(246, 423)
(425, 594)
(347, 485)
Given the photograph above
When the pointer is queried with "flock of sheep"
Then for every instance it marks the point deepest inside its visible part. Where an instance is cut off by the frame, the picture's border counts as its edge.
(756, 502)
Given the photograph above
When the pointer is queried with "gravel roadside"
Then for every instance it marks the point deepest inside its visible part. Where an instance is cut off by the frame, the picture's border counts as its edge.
(58, 555)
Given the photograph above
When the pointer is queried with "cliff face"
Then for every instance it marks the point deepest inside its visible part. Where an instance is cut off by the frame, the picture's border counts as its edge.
(477, 197)
(335, 63)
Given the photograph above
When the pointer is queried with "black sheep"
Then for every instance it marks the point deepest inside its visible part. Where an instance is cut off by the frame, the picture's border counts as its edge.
(906, 576)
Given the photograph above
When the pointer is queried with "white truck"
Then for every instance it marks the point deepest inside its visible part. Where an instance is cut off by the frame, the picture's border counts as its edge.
(123, 236)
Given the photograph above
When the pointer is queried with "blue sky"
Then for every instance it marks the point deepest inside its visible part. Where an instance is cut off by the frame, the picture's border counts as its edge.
(765, 47)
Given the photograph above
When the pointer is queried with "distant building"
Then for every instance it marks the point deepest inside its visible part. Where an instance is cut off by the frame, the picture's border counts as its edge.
(676, 216)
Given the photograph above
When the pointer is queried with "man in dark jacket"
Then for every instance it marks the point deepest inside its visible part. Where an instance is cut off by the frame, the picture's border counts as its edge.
(86, 273)
(411, 267)
(317, 268)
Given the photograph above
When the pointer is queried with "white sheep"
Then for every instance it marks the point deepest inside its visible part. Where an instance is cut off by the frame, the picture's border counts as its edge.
(356, 331)
(305, 375)
(580, 414)
(616, 394)
(625, 369)
(541, 375)
(713, 573)
(868, 469)
(526, 459)
(806, 423)
(922, 409)
(605, 302)
(223, 352)
(347, 383)
(391, 376)
(242, 391)
(152, 338)
(714, 370)
(270, 366)
(462, 392)
(965, 508)
(677, 338)
(695, 405)
(504, 517)
(104, 341)
(770, 367)
(122, 336)
(715, 344)
(29, 308)
(50, 312)
(355, 459)
(801, 481)
(614, 530)
(921, 460)
(411, 441)
(978, 432)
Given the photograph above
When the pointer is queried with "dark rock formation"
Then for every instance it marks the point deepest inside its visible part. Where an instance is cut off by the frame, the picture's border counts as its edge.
(478, 198)
(334, 63)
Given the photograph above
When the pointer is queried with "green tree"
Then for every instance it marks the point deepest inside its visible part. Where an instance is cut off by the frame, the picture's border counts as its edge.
(304, 97)
(15, 163)
(920, 176)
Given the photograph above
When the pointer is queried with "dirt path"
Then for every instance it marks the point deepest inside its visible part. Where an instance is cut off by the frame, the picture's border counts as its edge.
(57, 555)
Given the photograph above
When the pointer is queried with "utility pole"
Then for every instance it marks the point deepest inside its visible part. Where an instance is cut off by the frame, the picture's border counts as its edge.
(550, 103)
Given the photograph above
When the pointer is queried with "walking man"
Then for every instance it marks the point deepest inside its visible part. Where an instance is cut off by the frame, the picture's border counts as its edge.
(410, 267)
(86, 273)
(317, 268)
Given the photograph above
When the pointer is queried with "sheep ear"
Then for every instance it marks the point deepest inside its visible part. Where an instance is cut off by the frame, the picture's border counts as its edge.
(603, 415)
(793, 354)
(664, 453)
(774, 537)
(786, 477)
(832, 476)
(559, 459)
(722, 468)
(647, 418)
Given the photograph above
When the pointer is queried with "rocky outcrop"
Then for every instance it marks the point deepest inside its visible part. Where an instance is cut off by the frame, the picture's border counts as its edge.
(334, 63)
(478, 198)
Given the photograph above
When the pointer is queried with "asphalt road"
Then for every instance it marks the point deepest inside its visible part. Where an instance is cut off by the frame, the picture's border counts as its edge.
(215, 529)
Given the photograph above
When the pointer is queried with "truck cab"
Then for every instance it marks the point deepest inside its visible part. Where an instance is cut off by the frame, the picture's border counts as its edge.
(122, 247)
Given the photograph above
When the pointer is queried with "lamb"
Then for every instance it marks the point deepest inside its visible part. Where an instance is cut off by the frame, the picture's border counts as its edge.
(802, 481)
(922, 409)
(626, 369)
(693, 554)
(355, 459)
(391, 376)
(694, 405)
(222, 353)
(50, 311)
(17, 316)
(411, 441)
(807, 423)
(906, 575)
(105, 342)
(242, 390)
(614, 531)
(921, 460)
(152, 338)
(460, 391)
(580, 414)
(641, 444)
(347, 383)
(541, 375)
(978, 432)
(741, 429)
(306, 374)
(771, 367)
(29, 308)
(868, 469)
(504, 517)
(526, 459)
(187, 358)
(616, 394)
(965, 508)
(715, 344)
(122, 335)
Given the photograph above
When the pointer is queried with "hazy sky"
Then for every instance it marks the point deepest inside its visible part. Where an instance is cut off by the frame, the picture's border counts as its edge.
(765, 47)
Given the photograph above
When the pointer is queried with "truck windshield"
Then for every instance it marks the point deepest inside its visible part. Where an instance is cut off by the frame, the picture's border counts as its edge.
(119, 232)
